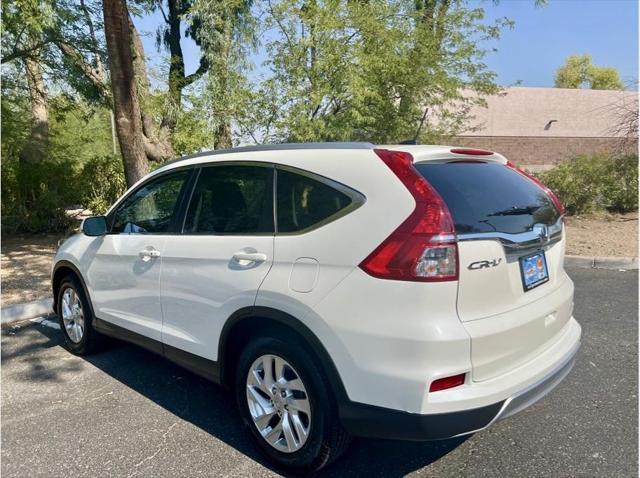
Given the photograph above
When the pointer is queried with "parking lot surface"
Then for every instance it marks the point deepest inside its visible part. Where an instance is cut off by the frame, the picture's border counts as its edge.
(126, 412)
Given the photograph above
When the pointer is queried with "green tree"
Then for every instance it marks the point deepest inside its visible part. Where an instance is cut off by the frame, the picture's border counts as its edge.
(574, 73)
(228, 36)
(578, 71)
(169, 36)
(53, 107)
(62, 45)
(34, 194)
(605, 78)
(24, 23)
(148, 129)
(335, 70)
(370, 70)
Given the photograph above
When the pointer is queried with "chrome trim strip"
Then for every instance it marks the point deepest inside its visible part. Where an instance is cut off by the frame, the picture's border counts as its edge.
(524, 240)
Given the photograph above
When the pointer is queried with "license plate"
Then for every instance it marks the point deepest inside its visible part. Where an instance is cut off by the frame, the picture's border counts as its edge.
(533, 269)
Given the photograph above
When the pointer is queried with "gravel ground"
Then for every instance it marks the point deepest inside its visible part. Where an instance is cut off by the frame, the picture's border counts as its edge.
(26, 259)
(604, 235)
(26, 267)
(127, 412)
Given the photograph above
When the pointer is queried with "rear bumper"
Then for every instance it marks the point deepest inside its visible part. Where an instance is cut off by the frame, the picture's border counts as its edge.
(370, 421)
(378, 422)
(530, 395)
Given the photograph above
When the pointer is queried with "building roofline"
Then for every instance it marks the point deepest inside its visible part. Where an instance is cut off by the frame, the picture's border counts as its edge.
(574, 90)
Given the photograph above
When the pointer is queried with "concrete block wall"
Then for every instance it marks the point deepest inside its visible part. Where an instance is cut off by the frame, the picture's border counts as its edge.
(546, 151)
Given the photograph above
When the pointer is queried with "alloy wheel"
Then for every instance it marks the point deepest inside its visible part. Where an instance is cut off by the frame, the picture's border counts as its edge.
(278, 403)
(72, 315)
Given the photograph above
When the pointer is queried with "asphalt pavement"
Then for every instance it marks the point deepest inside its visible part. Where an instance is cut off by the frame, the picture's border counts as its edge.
(126, 412)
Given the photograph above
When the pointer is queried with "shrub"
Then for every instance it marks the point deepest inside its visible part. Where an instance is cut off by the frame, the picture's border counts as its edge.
(623, 191)
(34, 196)
(595, 183)
(102, 182)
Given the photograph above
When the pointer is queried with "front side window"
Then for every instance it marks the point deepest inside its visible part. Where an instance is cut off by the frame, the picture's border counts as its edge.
(304, 202)
(232, 199)
(151, 209)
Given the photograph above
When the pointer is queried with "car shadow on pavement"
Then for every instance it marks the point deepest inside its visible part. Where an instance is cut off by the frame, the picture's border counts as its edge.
(212, 409)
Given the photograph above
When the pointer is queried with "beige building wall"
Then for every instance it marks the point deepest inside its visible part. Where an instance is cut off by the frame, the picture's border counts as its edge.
(548, 151)
(551, 125)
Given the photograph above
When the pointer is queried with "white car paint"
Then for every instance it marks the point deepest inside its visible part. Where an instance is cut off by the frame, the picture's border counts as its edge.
(203, 284)
(125, 287)
(388, 339)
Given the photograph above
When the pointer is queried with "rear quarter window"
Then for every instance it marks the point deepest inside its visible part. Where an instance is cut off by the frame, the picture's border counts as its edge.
(489, 197)
(304, 202)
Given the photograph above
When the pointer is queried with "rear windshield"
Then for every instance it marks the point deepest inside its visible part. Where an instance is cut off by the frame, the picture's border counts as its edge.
(489, 197)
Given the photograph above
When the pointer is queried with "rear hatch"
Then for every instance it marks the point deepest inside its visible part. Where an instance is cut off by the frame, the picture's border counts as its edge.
(514, 297)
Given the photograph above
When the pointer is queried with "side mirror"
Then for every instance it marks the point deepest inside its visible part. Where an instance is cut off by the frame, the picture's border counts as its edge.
(94, 226)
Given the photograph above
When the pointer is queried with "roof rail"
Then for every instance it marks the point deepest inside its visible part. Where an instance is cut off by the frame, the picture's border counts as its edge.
(277, 147)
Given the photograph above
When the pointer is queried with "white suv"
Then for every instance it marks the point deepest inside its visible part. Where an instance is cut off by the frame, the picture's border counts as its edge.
(409, 292)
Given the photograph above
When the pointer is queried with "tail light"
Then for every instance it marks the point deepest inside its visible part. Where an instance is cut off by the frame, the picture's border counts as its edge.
(423, 247)
(554, 199)
(471, 151)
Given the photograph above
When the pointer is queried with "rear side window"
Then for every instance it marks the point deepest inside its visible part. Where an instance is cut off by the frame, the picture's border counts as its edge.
(489, 197)
(304, 202)
(232, 200)
(151, 209)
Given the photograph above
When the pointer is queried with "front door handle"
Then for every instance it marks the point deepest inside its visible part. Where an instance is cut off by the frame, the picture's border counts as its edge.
(250, 256)
(148, 254)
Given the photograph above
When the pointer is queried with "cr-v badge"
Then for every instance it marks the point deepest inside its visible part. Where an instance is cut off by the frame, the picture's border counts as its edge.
(484, 264)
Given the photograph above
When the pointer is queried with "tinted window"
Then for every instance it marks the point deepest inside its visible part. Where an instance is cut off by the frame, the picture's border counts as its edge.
(304, 202)
(232, 200)
(485, 197)
(152, 207)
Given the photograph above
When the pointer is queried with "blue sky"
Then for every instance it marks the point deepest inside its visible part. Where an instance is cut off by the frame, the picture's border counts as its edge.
(543, 37)
(539, 42)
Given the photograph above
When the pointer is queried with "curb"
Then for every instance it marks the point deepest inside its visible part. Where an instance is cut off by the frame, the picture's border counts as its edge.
(27, 310)
(615, 263)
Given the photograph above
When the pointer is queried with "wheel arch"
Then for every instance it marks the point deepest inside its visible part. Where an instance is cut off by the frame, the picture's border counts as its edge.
(61, 270)
(253, 321)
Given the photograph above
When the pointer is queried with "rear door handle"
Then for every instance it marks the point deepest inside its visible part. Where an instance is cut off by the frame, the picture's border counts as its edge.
(148, 254)
(250, 256)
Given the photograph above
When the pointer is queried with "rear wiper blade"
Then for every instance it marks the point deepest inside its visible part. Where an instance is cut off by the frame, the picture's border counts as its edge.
(516, 211)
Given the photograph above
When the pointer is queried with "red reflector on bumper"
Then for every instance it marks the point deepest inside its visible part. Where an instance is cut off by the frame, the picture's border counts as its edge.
(446, 382)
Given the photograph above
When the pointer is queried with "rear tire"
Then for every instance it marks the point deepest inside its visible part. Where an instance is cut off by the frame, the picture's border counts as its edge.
(290, 414)
(76, 319)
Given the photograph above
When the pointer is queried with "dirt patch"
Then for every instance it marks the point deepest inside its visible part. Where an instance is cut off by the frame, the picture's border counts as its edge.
(603, 235)
(26, 267)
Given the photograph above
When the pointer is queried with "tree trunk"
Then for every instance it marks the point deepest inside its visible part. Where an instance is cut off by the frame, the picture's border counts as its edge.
(222, 138)
(178, 80)
(123, 85)
(156, 139)
(35, 148)
(176, 64)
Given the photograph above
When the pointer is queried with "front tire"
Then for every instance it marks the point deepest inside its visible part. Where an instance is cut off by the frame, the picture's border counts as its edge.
(75, 318)
(284, 401)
